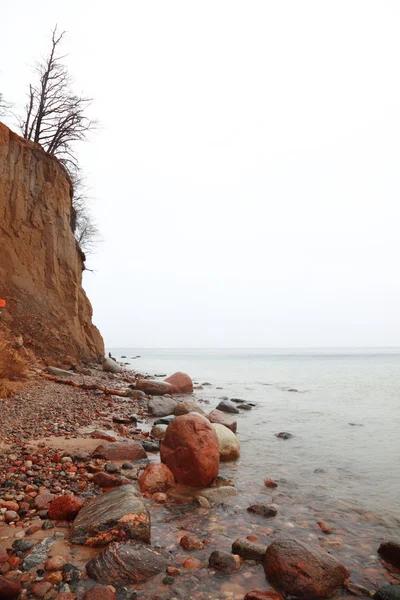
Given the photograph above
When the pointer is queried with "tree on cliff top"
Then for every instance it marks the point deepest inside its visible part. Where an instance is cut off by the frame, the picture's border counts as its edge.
(4, 106)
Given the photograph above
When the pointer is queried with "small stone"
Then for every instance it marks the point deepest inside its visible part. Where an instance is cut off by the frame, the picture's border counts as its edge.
(22, 545)
(10, 516)
(264, 510)
(284, 435)
(191, 542)
(100, 592)
(224, 561)
(111, 468)
(191, 563)
(324, 527)
(41, 588)
(249, 550)
(54, 563)
(160, 498)
(270, 483)
(9, 589)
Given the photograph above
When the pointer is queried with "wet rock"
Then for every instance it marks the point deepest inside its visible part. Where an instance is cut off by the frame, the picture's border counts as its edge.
(181, 383)
(217, 495)
(122, 563)
(40, 589)
(65, 596)
(218, 416)
(270, 483)
(129, 450)
(191, 542)
(191, 563)
(9, 589)
(106, 481)
(164, 420)
(111, 366)
(111, 468)
(71, 575)
(151, 446)
(158, 432)
(324, 527)
(160, 497)
(156, 478)
(264, 510)
(228, 443)
(224, 561)
(358, 590)
(228, 407)
(302, 572)
(59, 372)
(101, 520)
(108, 436)
(65, 508)
(259, 595)
(23, 545)
(390, 551)
(100, 592)
(10, 516)
(249, 550)
(190, 450)
(155, 388)
(161, 407)
(38, 554)
(55, 563)
(284, 435)
(245, 406)
(388, 592)
(187, 406)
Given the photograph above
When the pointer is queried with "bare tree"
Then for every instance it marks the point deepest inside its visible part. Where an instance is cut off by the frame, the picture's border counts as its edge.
(4, 106)
(82, 224)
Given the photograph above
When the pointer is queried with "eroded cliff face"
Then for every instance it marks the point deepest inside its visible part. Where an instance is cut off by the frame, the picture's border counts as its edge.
(40, 264)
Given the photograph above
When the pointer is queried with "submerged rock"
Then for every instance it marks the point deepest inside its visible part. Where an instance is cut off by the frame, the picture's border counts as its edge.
(181, 383)
(156, 478)
(264, 510)
(249, 550)
(302, 572)
(104, 517)
(126, 562)
(218, 416)
(224, 561)
(228, 407)
(155, 388)
(284, 435)
(217, 495)
(190, 450)
(128, 450)
(390, 551)
(228, 443)
(161, 407)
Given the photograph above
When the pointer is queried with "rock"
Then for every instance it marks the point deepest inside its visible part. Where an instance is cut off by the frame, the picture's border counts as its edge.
(264, 510)
(54, 563)
(218, 416)
(111, 366)
(158, 432)
(259, 595)
(151, 446)
(155, 388)
(100, 592)
(129, 450)
(245, 406)
(160, 497)
(388, 592)
(164, 420)
(156, 478)
(302, 572)
(228, 407)
(324, 527)
(161, 407)
(65, 596)
(38, 554)
(228, 443)
(126, 562)
(217, 495)
(65, 508)
(249, 550)
(41, 588)
(43, 499)
(224, 561)
(111, 468)
(284, 435)
(106, 481)
(9, 589)
(187, 406)
(181, 383)
(10, 516)
(270, 483)
(22, 545)
(190, 450)
(59, 372)
(108, 436)
(191, 542)
(101, 520)
(390, 551)
(191, 563)
(202, 502)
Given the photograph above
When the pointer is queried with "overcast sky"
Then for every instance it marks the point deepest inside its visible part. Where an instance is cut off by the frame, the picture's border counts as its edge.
(246, 178)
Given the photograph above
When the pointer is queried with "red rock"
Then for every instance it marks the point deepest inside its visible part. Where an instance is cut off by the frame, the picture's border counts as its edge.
(258, 595)
(65, 596)
(54, 563)
(3, 555)
(100, 592)
(191, 563)
(191, 542)
(10, 505)
(14, 561)
(301, 572)
(107, 481)
(41, 588)
(65, 508)
(173, 571)
(270, 483)
(128, 450)
(43, 499)
(160, 497)
(156, 478)
(108, 436)
(181, 383)
(155, 388)
(324, 527)
(55, 577)
(218, 416)
(9, 589)
(190, 450)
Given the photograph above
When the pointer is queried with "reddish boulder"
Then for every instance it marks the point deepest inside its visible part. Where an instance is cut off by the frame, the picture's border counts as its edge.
(9, 589)
(107, 481)
(100, 592)
(155, 388)
(43, 499)
(65, 508)
(181, 383)
(217, 416)
(190, 450)
(258, 595)
(128, 450)
(156, 478)
(301, 572)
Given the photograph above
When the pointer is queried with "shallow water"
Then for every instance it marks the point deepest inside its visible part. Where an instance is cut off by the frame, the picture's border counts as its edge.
(347, 475)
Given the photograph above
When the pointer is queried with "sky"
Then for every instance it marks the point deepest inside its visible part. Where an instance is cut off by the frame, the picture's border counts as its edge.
(245, 178)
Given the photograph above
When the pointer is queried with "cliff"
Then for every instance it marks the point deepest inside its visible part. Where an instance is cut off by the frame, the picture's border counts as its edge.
(40, 263)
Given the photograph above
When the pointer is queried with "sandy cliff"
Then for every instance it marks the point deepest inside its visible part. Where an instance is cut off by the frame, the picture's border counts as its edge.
(40, 264)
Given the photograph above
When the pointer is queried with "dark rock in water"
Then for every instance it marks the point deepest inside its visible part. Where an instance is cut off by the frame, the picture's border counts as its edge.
(302, 572)
(224, 561)
(264, 510)
(23, 545)
(356, 424)
(292, 390)
(228, 407)
(390, 551)
(9, 589)
(71, 575)
(126, 562)
(164, 420)
(388, 592)
(206, 383)
(319, 470)
(246, 406)
(104, 517)
(121, 419)
(284, 435)
(161, 407)
(151, 446)
(128, 450)
(249, 550)
(236, 400)
(38, 554)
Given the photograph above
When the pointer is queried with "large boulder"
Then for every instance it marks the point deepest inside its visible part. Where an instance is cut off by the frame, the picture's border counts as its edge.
(190, 450)
(128, 450)
(104, 517)
(301, 572)
(228, 443)
(126, 562)
(218, 416)
(187, 406)
(9, 589)
(181, 383)
(228, 407)
(161, 407)
(155, 388)
(156, 478)
(65, 508)
(390, 551)
(110, 366)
